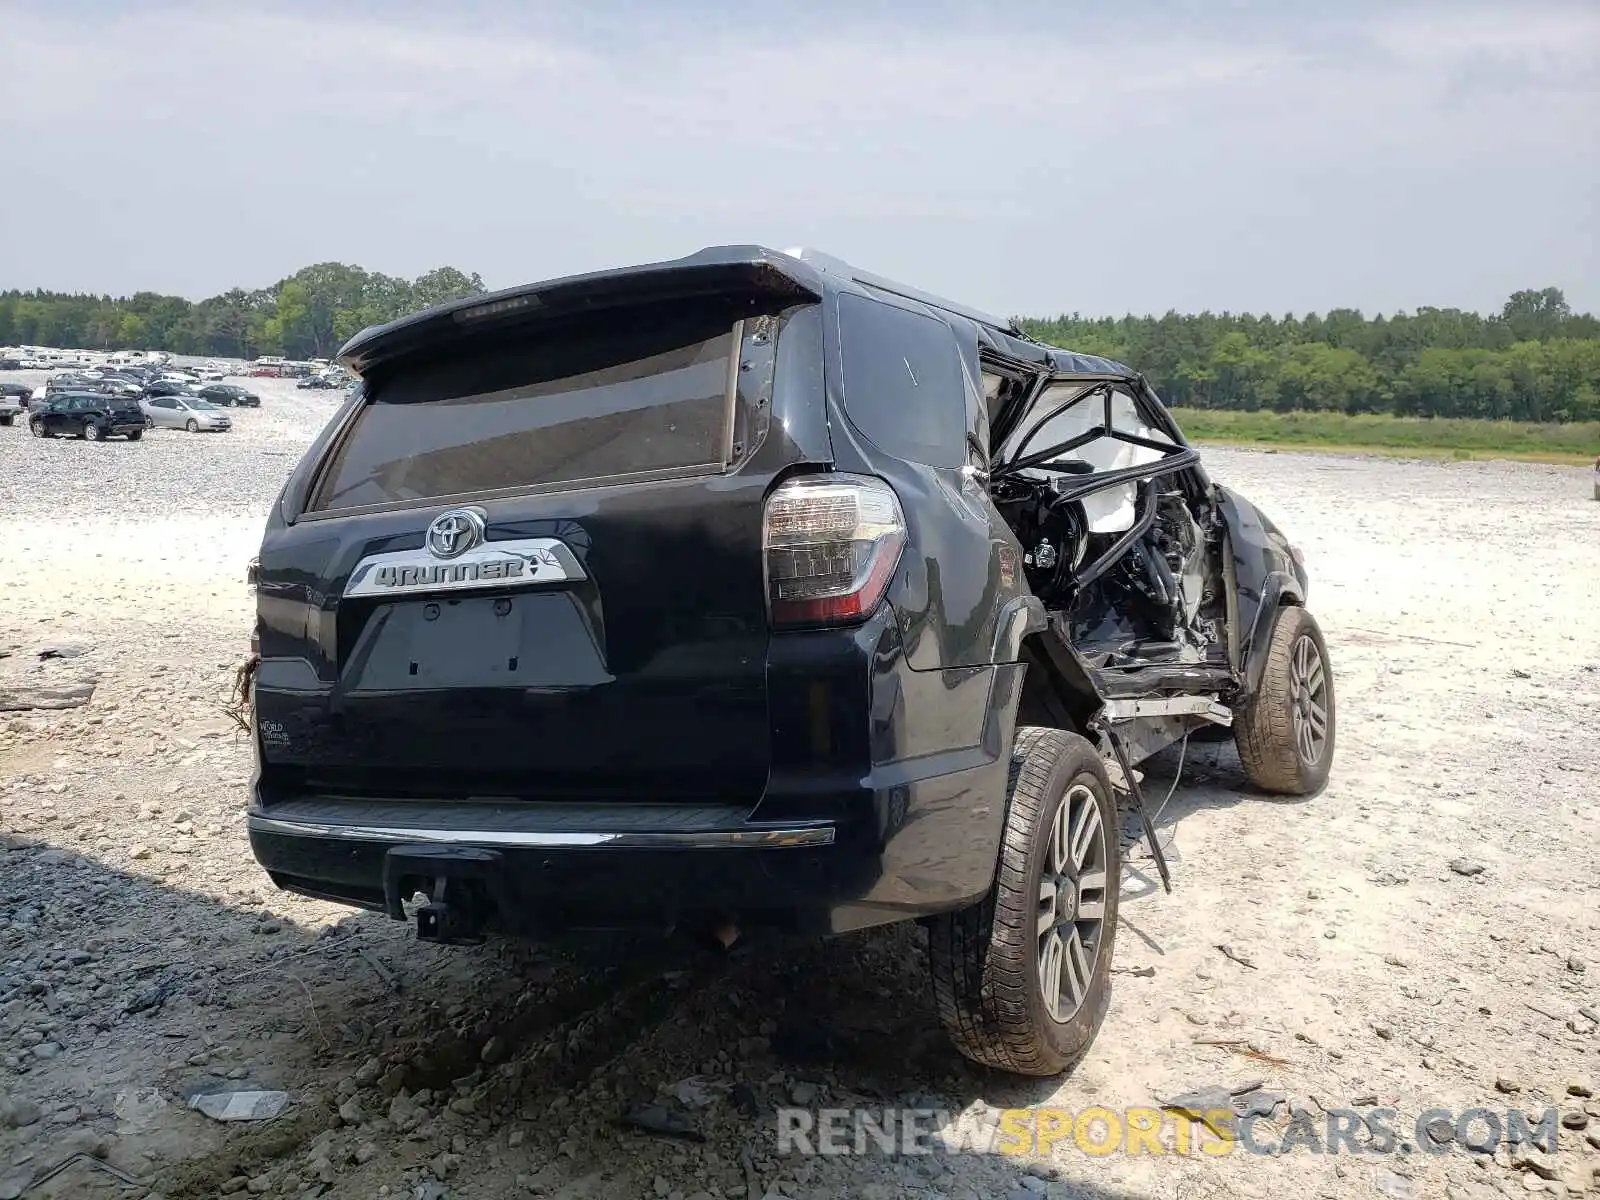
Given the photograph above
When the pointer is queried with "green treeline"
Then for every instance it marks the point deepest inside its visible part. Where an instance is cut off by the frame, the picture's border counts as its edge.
(1535, 360)
(308, 315)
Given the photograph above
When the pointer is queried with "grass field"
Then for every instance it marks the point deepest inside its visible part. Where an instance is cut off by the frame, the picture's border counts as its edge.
(1574, 444)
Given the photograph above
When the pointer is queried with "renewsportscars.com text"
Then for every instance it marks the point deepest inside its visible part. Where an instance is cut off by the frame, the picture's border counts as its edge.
(1097, 1131)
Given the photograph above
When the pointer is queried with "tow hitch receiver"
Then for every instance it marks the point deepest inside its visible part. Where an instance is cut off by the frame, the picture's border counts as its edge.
(452, 917)
(464, 886)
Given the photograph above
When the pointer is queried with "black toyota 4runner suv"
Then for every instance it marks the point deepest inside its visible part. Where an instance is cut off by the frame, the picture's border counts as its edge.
(752, 590)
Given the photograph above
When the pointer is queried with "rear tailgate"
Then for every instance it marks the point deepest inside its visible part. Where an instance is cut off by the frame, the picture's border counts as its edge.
(125, 412)
(587, 617)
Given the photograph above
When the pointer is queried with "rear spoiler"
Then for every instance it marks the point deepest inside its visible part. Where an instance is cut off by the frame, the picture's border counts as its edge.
(710, 273)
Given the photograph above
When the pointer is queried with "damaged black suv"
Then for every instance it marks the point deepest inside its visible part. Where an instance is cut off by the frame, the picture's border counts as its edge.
(750, 590)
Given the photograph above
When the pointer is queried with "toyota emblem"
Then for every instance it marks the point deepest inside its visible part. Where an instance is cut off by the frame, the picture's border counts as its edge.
(453, 533)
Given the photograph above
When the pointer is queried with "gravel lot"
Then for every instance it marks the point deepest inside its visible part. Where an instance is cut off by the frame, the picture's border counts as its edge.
(1422, 935)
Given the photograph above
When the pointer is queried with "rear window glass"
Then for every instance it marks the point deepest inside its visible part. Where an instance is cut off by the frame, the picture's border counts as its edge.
(903, 381)
(638, 392)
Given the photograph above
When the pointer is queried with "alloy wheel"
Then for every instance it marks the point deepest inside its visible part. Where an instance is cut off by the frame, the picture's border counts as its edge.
(1072, 903)
(1308, 699)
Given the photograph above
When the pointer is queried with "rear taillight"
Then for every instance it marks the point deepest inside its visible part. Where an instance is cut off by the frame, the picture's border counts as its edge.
(831, 544)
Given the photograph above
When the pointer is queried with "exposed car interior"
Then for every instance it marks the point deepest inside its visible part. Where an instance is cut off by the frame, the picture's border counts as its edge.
(1118, 533)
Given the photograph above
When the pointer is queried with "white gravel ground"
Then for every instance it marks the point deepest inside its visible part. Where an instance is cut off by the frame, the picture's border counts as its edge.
(1462, 607)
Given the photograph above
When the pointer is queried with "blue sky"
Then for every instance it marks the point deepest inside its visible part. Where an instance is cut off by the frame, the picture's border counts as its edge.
(1101, 158)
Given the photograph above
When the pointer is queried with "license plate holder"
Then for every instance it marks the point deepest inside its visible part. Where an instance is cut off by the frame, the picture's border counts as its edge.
(463, 642)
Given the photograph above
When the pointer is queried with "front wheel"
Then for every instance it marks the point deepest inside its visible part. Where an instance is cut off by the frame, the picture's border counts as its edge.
(92, 432)
(1022, 979)
(1285, 732)
(192, 425)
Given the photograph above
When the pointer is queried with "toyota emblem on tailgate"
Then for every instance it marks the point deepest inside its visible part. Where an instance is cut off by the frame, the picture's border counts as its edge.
(454, 533)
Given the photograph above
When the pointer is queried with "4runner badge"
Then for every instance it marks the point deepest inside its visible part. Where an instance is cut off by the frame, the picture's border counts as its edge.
(476, 566)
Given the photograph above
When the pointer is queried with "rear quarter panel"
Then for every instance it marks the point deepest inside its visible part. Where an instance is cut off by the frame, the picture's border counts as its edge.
(958, 576)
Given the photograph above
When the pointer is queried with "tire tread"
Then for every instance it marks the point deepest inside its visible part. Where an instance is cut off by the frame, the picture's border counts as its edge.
(978, 955)
(1263, 729)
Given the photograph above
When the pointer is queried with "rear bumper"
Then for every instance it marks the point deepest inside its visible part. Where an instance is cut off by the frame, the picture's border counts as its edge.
(548, 881)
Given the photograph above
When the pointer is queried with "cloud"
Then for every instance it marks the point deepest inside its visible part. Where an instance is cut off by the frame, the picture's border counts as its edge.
(1151, 154)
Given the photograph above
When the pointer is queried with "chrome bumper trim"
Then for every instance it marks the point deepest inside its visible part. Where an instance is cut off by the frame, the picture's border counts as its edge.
(758, 837)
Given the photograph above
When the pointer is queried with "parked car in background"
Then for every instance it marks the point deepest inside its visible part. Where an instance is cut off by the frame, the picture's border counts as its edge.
(92, 416)
(229, 395)
(9, 363)
(190, 413)
(112, 384)
(168, 387)
(13, 401)
(57, 384)
(320, 382)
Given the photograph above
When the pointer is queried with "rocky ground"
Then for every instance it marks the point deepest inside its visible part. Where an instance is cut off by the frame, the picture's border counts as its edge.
(1423, 935)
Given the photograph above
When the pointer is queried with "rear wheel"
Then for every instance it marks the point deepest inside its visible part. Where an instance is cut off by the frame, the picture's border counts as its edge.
(1023, 978)
(1285, 732)
(5, 418)
(192, 425)
(38, 428)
